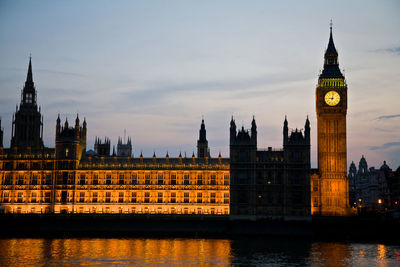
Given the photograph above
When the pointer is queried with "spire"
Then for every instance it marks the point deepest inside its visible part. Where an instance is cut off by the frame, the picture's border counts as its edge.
(29, 77)
(307, 131)
(202, 132)
(331, 50)
(331, 63)
(285, 131)
(77, 120)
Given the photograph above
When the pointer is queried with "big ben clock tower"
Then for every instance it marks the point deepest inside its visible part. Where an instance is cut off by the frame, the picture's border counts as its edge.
(330, 186)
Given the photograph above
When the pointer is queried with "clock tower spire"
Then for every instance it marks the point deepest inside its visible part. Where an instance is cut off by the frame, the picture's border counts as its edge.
(331, 198)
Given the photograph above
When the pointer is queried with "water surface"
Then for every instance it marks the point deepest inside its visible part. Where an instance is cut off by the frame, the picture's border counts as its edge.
(190, 252)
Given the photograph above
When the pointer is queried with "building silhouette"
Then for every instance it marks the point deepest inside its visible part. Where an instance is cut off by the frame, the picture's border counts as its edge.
(27, 123)
(251, 182)
(373, 189)
(124, 149)
(271, 182)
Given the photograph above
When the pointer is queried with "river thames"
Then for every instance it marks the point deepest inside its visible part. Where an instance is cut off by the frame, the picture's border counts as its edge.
(193, 252)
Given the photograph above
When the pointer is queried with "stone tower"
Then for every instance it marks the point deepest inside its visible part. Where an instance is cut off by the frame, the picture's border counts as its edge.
(70, 144)
(202, 144)
(296, 175)
(331, 108)
(100, 148)
(27, 125)
(242, 152)
(124, 149)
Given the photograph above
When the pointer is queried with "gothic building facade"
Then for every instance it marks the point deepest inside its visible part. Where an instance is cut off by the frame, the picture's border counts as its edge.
(271, 182)
(370, 189)
(251, 182)
(66, 179)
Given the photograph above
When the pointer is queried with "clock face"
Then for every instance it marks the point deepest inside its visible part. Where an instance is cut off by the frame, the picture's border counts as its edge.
(332, 98)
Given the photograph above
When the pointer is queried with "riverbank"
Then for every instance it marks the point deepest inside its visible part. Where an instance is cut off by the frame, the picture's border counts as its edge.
(97, 225)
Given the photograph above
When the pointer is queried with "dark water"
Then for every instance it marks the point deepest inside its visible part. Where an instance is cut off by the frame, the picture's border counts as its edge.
(193, 252)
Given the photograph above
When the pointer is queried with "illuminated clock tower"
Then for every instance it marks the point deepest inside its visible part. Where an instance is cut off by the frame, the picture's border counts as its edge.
(331, 186)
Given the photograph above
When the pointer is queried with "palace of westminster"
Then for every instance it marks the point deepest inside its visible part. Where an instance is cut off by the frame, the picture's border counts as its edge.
(251, 182)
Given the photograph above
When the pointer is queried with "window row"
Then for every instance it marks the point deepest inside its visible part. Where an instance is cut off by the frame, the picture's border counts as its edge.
(146, 179)
(22, 197)
(143, 197)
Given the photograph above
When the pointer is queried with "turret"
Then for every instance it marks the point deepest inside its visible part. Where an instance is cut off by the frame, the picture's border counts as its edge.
(307, 131)
(363, 166)
(77, 127)
(58, 125)
(254, 131)
(352, 172)
(66, 123)
(124, 149)
(202, 143)
(180, 158)
(285, 131)
(232, 131)
(100, 148)
(70, 143)
(84, 128)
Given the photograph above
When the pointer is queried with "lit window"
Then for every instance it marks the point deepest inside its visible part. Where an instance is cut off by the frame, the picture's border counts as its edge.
(66, 152)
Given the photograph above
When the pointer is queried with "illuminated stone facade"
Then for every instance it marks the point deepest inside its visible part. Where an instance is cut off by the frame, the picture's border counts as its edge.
(66, 179)
(329, 184)
(30, 183)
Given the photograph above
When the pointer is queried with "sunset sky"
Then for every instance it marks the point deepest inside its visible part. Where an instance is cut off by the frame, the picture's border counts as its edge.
(155, 68)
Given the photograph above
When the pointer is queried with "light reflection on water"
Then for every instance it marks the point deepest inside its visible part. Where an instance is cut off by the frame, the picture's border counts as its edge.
(189, 252)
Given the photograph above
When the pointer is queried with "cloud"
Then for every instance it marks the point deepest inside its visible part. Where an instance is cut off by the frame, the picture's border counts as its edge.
(392, 50)
(388, 117)
(385, 146)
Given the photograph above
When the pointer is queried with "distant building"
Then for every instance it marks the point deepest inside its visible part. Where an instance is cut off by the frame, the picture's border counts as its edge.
(124, 150)
(368, 187)
(394, 187)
